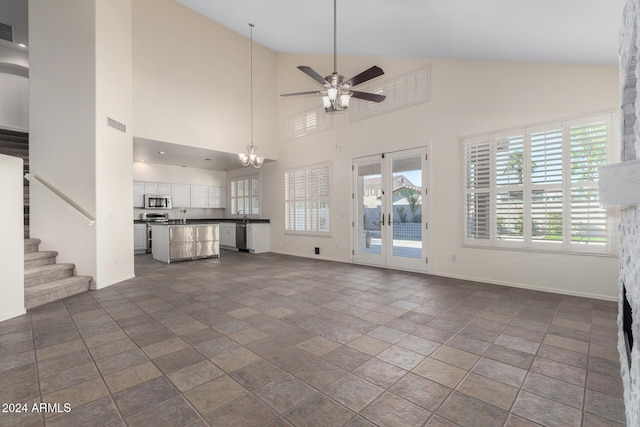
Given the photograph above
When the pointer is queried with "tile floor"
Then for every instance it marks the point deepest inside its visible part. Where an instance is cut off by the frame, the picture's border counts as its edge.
(272, 340)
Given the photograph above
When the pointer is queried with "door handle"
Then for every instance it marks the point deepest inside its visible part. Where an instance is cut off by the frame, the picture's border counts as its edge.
(389, 223)
(382, 220)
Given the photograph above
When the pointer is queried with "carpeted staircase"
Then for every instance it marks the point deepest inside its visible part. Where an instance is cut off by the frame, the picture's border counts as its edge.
(44, 280)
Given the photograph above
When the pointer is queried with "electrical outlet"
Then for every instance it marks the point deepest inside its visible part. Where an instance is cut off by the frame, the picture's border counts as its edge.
(454, 258)
(317, 250)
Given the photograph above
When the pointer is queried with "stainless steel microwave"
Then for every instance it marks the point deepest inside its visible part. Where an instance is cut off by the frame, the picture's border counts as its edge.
(157, 201)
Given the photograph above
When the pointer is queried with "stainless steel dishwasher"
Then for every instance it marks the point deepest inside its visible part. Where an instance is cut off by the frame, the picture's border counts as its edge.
(241, 236)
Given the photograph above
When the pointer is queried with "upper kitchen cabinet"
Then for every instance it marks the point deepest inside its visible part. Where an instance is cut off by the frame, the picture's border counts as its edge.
(157, 188)
(199, 196)
(138, 194)
(216, 197)
(181, 195)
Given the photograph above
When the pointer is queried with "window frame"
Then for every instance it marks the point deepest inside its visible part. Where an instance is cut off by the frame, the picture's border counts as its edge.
(546, 183)
(248, 199)
(291, 213)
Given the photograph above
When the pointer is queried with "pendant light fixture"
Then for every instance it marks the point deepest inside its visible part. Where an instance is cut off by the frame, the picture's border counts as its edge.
(250, 158)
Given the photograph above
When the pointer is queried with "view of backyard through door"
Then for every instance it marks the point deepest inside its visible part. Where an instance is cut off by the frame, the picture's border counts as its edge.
(391, 210)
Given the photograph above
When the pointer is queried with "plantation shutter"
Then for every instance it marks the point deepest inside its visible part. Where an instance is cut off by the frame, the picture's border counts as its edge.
(509, 179)
(254, 195)
(588, 151)
(307, 200)
(245, 195)
(234, 197)
(546, 151)
(478, 182)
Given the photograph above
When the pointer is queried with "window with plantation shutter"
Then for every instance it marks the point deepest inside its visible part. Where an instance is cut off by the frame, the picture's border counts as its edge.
(537, 187)
(308, 122)
(307, 200)
(245, 195)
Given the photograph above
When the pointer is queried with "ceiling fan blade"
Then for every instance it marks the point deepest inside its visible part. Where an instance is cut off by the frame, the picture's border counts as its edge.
(374, 97)
(313, 74)
(366, 75)
(313, 92)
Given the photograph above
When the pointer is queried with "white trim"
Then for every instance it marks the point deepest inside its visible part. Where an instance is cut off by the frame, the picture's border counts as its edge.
(402, 92)
(523, 286)
(322, 122)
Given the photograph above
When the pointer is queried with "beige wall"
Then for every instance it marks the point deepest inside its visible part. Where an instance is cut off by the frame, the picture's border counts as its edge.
(114, 149)
(62, 126)
(12, 243)
(178, 175)
(467, 97)
(80, 74)
(14, 102)
(191, 81)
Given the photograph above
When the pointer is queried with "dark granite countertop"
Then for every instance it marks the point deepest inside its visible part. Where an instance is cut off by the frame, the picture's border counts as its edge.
(204, 221)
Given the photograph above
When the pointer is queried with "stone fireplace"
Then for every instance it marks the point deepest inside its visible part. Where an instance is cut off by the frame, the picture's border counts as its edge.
(620, 186)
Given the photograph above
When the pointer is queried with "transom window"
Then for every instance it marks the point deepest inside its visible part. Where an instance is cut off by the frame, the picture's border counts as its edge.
(537, 187)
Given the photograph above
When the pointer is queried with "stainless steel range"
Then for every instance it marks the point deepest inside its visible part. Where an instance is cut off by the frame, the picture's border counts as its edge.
(150, 218)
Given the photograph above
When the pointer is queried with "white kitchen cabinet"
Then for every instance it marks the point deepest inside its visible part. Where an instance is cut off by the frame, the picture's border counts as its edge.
(180, 196)
(216, 197)
(138, 194)
(199, 196)
(258, 237)
(139, 238)
(228, 235)
(164, 188)
(157, 188)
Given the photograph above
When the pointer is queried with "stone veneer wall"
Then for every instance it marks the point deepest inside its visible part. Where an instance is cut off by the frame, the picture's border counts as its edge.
(630, 215)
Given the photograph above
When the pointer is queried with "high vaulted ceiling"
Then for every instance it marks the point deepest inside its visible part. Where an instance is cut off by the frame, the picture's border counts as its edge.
(559, 31)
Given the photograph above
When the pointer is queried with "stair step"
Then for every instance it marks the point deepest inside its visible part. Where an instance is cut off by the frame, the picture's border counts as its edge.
(52, 291)
(31, 245)
(40, 258)
(47, 273)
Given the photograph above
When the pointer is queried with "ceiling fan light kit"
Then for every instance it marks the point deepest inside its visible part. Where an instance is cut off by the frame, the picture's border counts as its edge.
(250, 158)
(337, 92)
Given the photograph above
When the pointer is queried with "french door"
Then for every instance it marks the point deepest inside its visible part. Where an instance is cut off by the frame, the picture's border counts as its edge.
(391, 210)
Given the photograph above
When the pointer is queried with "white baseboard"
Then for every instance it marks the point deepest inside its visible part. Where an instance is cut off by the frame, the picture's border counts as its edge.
(93, 287)
(530, 287)
(7, 316)
(318, 257)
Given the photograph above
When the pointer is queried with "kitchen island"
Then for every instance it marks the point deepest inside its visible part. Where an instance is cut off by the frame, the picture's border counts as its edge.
(179, 242)
(237, 234)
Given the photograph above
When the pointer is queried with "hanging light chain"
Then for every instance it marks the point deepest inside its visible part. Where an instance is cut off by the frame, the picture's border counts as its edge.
(251, 86)
(250, 158)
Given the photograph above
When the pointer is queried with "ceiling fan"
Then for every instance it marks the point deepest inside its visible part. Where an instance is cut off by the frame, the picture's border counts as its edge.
(337, 88)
